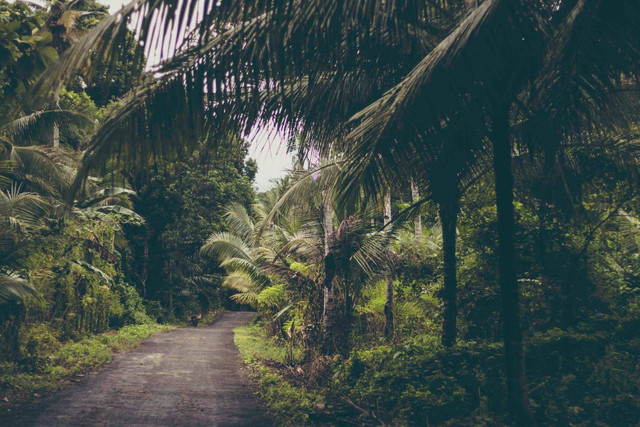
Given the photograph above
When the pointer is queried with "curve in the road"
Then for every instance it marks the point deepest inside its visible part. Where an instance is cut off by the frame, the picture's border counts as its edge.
(185, 377)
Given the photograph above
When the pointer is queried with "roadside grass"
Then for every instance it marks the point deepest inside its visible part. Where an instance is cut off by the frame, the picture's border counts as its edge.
(290, 405)
(53, 371)
(254, 345)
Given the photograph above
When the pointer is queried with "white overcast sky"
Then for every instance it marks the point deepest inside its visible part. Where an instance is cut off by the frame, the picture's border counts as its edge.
(266, 149)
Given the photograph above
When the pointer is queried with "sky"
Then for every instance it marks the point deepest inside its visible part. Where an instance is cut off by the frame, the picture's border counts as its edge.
(270, 154)
(267, 148)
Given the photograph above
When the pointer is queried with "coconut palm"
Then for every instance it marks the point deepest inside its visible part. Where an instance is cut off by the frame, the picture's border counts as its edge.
(493, 31)
(315, 91)
(37, 169)
(20, 213)
(67, 21)
(477, 71)
(296, 240)
(321, 106)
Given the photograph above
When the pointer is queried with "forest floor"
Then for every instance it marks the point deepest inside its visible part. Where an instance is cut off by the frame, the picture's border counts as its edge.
(188, 376)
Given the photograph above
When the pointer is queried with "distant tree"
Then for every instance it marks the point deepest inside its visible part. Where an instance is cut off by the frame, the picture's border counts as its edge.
(24, 52)
(68, 20)
(183, 202)
(114, 77)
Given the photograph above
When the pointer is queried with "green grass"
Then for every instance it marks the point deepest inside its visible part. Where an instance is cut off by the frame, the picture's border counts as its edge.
(289, 404)
(253, 344)
(54, 372)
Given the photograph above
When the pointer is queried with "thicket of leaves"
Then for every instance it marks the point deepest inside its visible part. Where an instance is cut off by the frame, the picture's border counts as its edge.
(183, 202)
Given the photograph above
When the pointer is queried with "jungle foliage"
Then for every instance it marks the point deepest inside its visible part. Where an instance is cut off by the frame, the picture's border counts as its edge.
(75, 267)
(457, 245)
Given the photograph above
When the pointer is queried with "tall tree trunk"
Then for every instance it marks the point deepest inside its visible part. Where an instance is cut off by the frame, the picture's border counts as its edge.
(387, 207)
(328, 288)
(55, 132)
(55, 136)
(417, 221)
(518, 400)
(145, 261)
(448, 219)
(388, 305)
(388, 310)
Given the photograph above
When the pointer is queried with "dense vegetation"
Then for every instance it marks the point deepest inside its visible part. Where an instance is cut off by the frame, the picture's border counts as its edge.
(119, 255)
(580, 314)
(458, 244)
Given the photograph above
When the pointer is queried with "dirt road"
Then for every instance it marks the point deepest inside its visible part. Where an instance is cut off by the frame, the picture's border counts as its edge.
(185, 377)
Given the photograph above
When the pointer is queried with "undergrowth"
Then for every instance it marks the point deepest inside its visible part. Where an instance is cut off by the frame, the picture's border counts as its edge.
(574, 379)
(290, 404)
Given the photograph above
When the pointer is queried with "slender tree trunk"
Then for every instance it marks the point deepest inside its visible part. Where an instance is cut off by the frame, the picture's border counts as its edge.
(388, 305)
(387, 207)
(55, 132)
(388, 310)
(518, 400)
(417, 221)
(145, 261)
(328, 288)
(448, 219)
(55, 136)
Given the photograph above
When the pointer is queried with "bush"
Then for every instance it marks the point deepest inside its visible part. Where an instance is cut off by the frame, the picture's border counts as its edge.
(417, 382)
(574, 379)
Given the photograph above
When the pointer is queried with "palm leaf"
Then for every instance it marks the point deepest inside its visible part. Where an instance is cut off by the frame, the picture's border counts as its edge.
(226, 245)
(35, 128)
(14, 288)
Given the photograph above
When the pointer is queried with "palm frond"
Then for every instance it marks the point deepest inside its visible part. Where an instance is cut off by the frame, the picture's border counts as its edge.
(592, 60)
(15, 288)
(229, 63)
(35, 128)
(226, 245)
(92, 268)
(35, 161)
(22, 209)
(240, 223)
(480, 65)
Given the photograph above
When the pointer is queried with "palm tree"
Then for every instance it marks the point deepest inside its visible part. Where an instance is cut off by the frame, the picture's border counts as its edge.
(37, 169)
(257, 255)
(484, 65)
(67, 21)
(20, 213)
(330, 99)
(314, 92)
(292, 229)
(493, 31)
